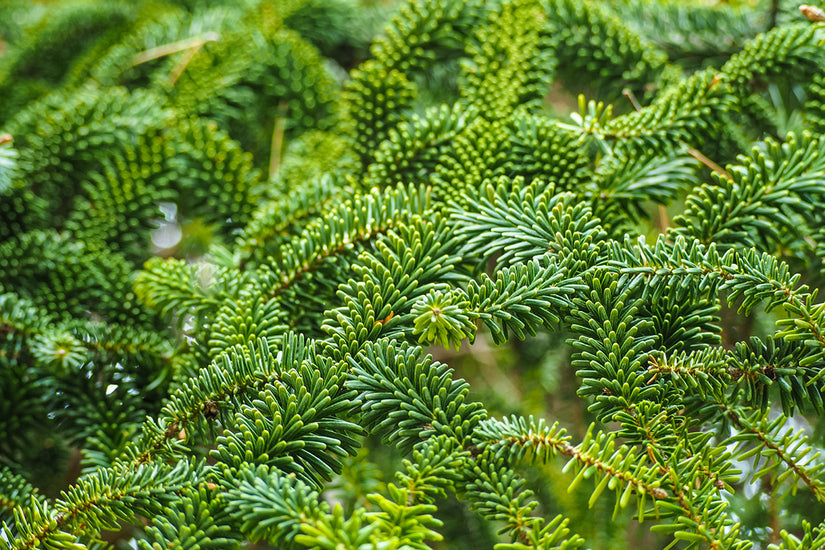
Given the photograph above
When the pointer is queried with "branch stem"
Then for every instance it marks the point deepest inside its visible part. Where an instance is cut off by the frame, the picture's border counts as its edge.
(277, 139)
(175, 47)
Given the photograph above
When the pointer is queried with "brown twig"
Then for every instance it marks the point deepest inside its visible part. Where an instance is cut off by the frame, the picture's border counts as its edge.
(182, 64)
(709, 163)
(277, 139)
(664, 220)
(175, 47)
(628, 93)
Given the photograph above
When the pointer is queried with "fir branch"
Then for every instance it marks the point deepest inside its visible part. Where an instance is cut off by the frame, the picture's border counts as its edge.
(412, 149)
(272, 507)
(521, 222)
(510, 65)
(407, 398)
(271, 221)
(98, 501)
(233, 374)
(703, 373)
(173, 286)
(773, 189)
(361, 220)
(16, 492)
(290, 351)
(785, 448)
(196, 520)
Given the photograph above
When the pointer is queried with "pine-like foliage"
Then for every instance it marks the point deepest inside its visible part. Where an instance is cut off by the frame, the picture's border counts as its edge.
(344, 274)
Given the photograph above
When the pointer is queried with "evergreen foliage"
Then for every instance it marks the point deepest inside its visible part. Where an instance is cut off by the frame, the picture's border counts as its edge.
(341, 274)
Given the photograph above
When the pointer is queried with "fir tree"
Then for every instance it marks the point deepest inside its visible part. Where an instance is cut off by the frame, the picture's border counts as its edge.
(254, 256)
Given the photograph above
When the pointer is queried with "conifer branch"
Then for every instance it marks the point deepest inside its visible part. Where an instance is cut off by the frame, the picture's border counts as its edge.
(786, 448)
(432, 196)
